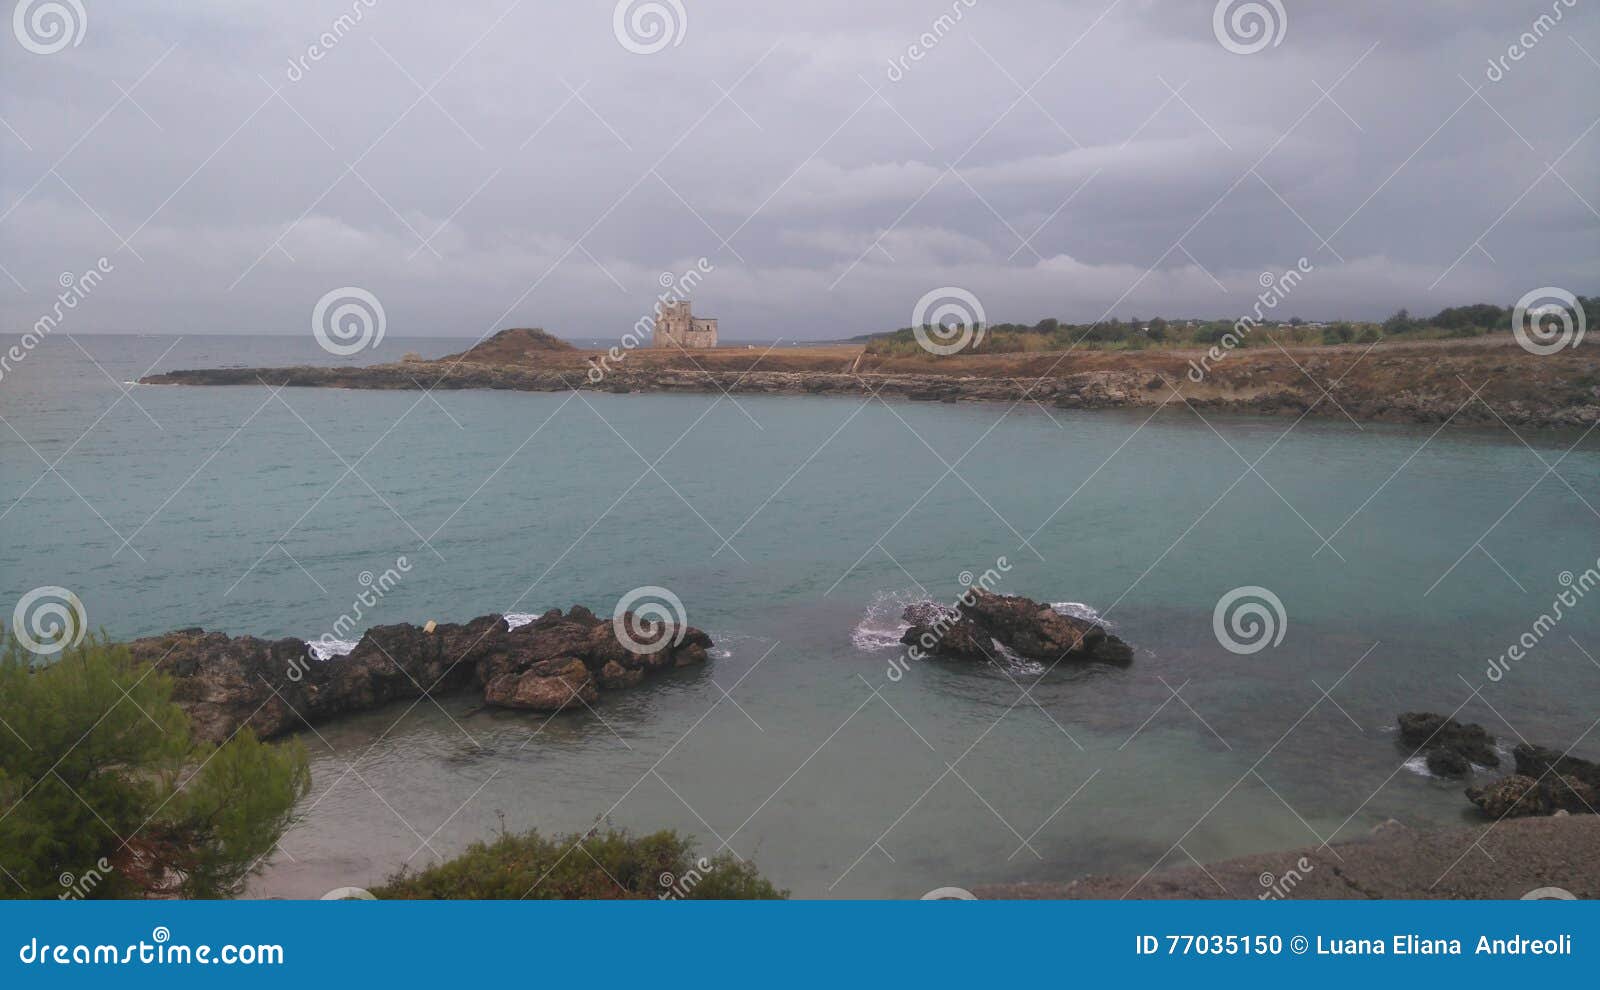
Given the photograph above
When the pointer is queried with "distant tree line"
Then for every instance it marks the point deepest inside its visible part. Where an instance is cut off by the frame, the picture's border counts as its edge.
(1134, 334)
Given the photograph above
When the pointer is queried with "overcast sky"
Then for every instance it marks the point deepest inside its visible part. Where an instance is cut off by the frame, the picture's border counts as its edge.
(478, 165)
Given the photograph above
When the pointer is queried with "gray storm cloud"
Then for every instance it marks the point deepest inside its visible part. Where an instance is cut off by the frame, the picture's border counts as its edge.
(505, 163)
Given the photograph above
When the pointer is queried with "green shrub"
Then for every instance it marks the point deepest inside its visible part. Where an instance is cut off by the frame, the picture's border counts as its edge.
(609, 865)
(104, 794)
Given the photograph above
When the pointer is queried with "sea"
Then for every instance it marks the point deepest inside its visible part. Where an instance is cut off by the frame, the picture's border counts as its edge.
(1289, 587)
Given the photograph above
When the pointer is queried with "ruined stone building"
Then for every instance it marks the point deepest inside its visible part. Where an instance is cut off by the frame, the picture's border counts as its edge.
(677, 327)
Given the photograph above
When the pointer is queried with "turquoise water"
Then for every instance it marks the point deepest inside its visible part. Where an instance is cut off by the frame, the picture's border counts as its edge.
(240, 515)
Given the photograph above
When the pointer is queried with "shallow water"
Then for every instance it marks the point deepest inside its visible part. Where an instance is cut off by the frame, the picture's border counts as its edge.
(838, 779)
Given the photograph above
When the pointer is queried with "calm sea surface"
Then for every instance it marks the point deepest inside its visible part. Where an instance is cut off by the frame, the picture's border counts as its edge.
(253, 513)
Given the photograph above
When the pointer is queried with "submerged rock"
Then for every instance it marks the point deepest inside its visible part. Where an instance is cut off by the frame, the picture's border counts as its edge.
(1023, 627)
(1450, 747)
(558, 661)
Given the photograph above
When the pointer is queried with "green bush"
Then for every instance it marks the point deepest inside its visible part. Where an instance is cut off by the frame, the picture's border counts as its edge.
(104, 794)
(609, 865)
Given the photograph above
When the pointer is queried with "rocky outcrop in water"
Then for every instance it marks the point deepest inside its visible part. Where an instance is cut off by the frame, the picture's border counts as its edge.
(1518, 796)
(1451, 748)
(1547, 782)
(1023, 627)
(556, 662)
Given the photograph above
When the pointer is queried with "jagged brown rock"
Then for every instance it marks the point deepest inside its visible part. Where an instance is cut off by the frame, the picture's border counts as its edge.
(1031, 630)
(1519, 796)
(556, 662)
(1450, 747)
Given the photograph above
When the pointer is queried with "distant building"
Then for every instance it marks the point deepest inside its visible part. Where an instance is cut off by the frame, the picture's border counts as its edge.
(677, 327)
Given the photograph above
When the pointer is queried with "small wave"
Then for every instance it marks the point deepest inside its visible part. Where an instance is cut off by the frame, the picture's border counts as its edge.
(327, 650)
(881, 626)
(1419, 765)
(722, 648)
(517, 619)
(1078, 610)
(1014, 660)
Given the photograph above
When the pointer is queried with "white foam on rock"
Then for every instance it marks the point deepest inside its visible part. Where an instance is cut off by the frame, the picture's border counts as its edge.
(881, 626)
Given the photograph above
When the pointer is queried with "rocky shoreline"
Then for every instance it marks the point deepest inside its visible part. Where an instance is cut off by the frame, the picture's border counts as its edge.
(1535, 858)
(1395, 383)
(556, 662)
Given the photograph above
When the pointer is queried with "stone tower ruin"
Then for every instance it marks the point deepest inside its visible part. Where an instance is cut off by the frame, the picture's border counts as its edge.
(677, 327)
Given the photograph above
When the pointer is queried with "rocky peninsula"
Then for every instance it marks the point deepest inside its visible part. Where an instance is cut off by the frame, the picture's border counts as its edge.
(1481, 381)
